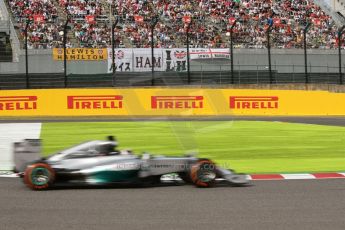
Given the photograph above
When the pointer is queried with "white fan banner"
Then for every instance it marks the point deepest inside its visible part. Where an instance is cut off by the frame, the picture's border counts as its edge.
(139, 59)
(123, 60)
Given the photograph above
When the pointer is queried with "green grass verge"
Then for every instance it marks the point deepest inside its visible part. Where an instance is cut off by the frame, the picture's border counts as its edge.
(246, 146)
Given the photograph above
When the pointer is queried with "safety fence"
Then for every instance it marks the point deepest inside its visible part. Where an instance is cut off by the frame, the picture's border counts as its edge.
(132, 79)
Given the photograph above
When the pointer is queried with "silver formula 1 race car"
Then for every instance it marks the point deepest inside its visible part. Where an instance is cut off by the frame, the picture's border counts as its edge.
(100, 163)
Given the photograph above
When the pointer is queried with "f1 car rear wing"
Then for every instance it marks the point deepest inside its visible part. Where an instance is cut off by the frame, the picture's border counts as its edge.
(26, 151)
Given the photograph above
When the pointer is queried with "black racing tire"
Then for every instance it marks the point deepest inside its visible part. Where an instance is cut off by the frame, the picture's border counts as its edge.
(39, 176)
(203, 173)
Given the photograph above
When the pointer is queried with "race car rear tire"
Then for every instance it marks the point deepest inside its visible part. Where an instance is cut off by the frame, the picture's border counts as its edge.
(203, 173)
(39, 176)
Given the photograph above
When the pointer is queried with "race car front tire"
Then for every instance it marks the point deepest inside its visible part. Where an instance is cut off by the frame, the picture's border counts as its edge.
(203, 173)
(39, 176)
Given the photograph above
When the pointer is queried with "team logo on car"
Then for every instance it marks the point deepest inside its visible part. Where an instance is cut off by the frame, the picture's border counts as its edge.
(95, 102)
(18, 103)
(177, 102)
(254, 102)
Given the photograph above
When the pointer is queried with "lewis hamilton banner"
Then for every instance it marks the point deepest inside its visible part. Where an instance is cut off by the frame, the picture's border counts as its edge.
(139, 60)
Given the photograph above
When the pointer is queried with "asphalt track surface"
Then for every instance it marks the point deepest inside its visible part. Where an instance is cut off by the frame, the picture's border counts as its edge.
(289, 204)
(278, 205)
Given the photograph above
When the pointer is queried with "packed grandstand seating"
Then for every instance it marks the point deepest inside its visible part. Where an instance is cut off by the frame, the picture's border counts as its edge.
(91, 27)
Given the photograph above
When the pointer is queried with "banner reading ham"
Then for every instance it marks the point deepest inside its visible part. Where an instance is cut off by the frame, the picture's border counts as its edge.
(166, 60)
(80, 54)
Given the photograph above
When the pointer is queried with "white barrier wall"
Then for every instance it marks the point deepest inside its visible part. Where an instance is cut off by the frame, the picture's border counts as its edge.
(10, 133)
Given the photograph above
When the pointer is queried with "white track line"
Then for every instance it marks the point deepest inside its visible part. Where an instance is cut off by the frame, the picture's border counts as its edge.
(302, 176)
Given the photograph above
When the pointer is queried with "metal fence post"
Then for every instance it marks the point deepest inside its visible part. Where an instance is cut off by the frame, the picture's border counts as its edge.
(113, 46)
(232, 51)
(188, 54)
(305, 52)
(26, 54)
(154, 22)
(340, 33)
(64, 45)
(268, 32)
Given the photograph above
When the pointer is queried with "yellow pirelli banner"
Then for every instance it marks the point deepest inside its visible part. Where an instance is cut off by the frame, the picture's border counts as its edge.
(169, 102)
(80, 54)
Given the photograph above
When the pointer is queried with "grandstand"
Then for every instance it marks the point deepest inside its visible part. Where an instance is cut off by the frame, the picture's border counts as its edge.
(5, 43)
(338, 6)
(90, 23)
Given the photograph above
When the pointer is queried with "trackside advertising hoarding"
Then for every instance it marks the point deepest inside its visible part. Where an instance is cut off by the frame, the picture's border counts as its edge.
(169, 102)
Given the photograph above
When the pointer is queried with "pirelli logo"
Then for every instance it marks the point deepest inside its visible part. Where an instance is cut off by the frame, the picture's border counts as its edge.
(254, 102)
(8, 103)
(95, 102)
(177, 102)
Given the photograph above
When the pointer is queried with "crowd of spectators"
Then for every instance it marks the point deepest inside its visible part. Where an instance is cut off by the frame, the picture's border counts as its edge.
(168, 12)
(88, 33)
(46, 34)
(288, 18)
(209, 27)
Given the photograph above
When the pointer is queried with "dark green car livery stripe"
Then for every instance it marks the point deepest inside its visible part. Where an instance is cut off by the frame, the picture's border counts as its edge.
(113, 176)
